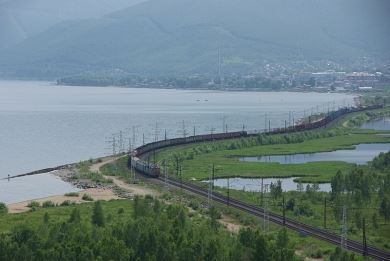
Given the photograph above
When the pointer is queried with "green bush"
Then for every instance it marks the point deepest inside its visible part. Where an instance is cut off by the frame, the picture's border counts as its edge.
(68, 203)
(48, 204)
(72, 194)
(33, 204)
(87, 197)
(194, 205)
(3, 208)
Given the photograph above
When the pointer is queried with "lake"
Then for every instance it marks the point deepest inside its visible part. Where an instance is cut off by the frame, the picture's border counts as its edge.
(361, 154)
(254, 184)
(378, 124)
(44, 125)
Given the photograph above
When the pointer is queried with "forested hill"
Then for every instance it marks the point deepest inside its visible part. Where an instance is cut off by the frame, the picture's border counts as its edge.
(183, 36)
(21, 19)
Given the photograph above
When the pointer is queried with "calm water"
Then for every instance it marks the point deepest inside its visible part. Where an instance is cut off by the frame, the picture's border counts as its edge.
(32, 187)
(360, 155)
(43, 125)
(379, 124)
(254, 185)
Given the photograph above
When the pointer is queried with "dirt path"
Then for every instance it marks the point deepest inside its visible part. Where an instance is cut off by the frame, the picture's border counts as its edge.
(131, 188)
(95, 193)
(96, 167)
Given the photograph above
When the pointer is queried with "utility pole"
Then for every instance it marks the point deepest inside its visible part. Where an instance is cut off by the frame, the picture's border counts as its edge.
(223, 123)
(210, 190)
(129, 147)
(181, 179)
(166, 175)
(213, 174)
(194, 130)
(228, 192)
(143, 138)
(344, 229)
(121, 145)
(265, 211)
(265, 122)
(184, 129)
(284, 211)
(365, 250)
(114, 145)
(325, 213)
(156, 132)
(269, 126)
(177, 166)
(165, 134)
(262, 193)
(219, 65)
(293, 123)
(133, 143)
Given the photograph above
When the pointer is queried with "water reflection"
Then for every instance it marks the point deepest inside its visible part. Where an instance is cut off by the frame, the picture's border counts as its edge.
(378, 124)
(362, 154)
(254, 184)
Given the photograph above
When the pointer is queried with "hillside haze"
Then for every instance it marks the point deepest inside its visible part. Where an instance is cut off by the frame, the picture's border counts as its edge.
(21, 19)
(183, 36)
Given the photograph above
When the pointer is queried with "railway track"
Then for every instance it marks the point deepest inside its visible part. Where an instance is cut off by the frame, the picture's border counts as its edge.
(321, 234)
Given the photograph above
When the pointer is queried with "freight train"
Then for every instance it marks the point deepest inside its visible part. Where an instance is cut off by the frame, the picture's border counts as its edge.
(153, 170)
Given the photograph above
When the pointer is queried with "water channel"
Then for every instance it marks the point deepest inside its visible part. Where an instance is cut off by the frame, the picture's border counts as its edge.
(361, 154)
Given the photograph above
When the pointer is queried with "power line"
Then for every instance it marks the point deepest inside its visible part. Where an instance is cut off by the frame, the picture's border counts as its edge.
(344, 229)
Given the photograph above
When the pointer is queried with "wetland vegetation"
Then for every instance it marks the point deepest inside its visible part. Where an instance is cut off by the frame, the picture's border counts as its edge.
(363, 189)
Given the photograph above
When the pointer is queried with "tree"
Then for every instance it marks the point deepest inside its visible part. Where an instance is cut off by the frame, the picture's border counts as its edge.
(276, 189)
(98, 215)
(46, 218)
(300, 186)
(261, 248)
(283, 252)
(290, 204)
(139, 207)
(385, 207)
(340, 255)
(375, 221)
(3, 208)
(75, 216)
(214, 216)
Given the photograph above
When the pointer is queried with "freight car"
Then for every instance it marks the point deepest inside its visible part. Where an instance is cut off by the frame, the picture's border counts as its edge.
(153, 170)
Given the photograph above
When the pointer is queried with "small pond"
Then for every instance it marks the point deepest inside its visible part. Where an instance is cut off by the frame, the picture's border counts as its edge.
(362, 154)
(378, 124)
(254, 184)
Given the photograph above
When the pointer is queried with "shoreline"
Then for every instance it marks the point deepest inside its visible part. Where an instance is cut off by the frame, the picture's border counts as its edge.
(97, 191)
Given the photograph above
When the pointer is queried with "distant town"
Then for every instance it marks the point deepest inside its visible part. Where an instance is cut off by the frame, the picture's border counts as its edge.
(323, 77)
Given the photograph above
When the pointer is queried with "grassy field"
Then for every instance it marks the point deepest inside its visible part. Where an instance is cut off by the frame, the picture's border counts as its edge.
(199, 165)
(228, 165)
(60, 214)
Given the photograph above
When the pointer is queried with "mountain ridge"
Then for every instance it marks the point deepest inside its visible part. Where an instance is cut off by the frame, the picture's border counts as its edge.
(183, 36)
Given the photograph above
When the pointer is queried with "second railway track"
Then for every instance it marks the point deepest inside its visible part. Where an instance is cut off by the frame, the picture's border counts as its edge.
(321, 234)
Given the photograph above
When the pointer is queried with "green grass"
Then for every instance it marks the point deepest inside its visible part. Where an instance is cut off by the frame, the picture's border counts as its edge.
(62, 213)
(117, 168)
(85, 173)
(228, 165)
